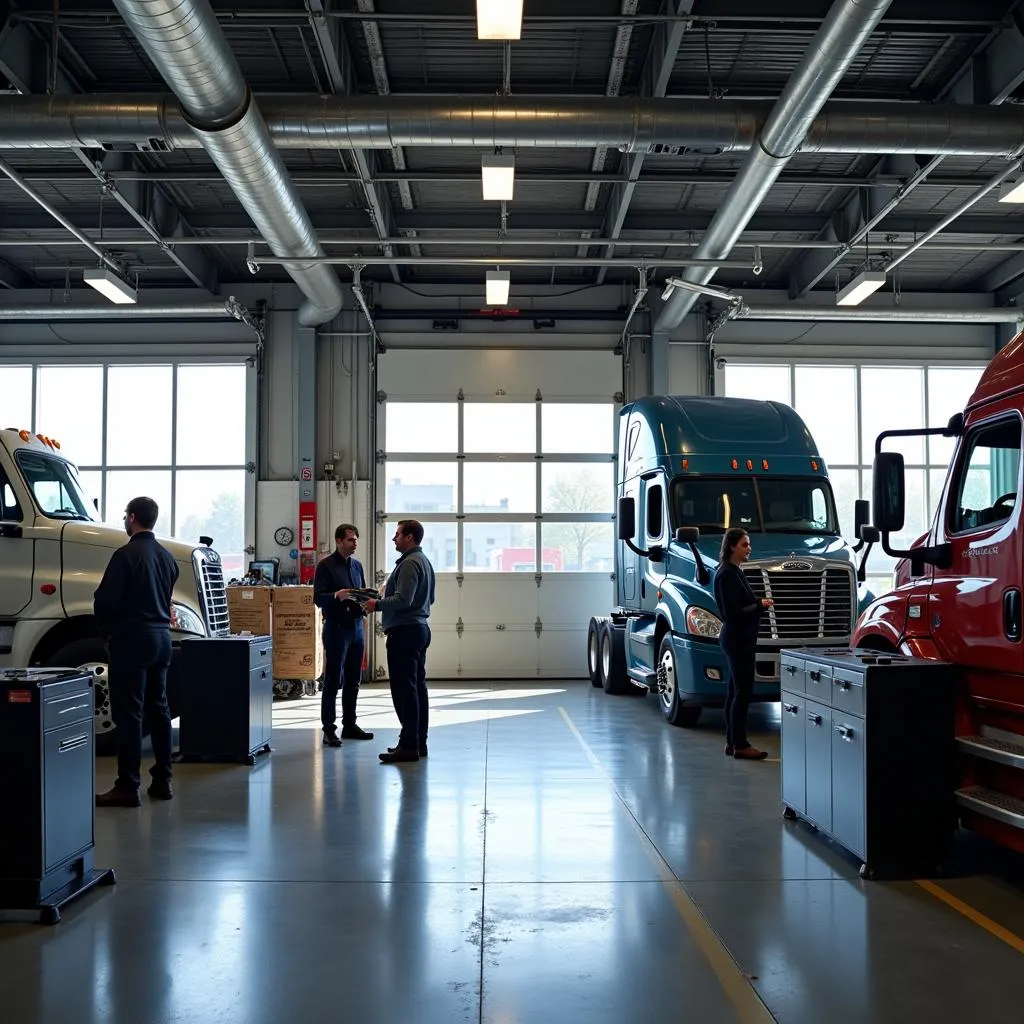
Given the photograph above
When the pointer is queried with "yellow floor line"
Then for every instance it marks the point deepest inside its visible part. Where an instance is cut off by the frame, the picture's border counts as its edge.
(1001, 933)
(735, 984)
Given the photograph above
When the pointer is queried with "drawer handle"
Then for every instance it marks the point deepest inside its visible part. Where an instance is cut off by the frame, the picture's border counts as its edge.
(842, 684)
(845, 732)
(73, 743)
(791, 709)
(263, 674)
(264, 652)
(816, 719)
(791, 669)
(816, 676)
(75, 707)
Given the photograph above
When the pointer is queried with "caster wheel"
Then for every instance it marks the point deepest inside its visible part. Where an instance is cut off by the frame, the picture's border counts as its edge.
(251, 759)
(789, 814)
(866, 872)
(50, 915)
(110, 878)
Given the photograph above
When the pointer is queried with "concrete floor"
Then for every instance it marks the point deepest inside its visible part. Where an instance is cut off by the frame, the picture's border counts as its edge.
(562, 856)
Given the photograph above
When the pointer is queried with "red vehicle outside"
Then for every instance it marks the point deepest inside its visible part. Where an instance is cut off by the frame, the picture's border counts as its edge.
(958, 592)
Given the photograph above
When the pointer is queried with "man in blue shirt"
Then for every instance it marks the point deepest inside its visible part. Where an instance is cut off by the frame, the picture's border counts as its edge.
(336, 577)
(405, 608)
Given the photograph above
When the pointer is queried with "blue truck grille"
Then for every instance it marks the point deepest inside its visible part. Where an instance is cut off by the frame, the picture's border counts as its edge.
(814, 605)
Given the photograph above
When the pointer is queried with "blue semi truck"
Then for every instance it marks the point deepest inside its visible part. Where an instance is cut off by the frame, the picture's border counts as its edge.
(688, 469)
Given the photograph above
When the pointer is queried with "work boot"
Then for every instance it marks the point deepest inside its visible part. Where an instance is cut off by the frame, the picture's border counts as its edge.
(354, 732)
(398, 755)
(749, 753)
(422, 750)
(160, 789)
(331, 739)
(119, 796)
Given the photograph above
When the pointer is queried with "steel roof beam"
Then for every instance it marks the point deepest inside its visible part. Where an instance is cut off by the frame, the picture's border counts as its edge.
(330, 39)
(654, 79)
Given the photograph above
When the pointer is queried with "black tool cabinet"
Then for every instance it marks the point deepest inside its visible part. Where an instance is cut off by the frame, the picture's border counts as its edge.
(226, 698)
(868, 754)
(47, 803)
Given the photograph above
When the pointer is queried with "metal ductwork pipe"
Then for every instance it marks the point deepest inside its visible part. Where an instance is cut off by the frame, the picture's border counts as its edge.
(187, 45)
(842, 33)
(156, 121)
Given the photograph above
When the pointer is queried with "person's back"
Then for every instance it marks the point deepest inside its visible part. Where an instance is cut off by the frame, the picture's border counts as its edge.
(132, 606)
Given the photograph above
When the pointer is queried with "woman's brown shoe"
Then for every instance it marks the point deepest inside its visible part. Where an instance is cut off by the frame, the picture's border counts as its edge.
(750, 754)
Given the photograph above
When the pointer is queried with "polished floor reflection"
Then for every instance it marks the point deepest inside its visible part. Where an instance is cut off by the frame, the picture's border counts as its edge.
(562, 856)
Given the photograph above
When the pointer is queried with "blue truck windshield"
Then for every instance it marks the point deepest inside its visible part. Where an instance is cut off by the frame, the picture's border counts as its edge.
(758, 504)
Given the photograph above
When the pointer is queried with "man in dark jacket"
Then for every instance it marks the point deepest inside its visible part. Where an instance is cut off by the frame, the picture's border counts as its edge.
(336, 577)
(405, 609)
(132, 607)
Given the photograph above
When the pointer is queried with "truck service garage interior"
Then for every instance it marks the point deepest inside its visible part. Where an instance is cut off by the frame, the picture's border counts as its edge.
(587, 292)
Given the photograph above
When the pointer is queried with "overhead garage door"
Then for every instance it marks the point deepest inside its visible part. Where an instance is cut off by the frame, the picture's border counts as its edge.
(508, 461)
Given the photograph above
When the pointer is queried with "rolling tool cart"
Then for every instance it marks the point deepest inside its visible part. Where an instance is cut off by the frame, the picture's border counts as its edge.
(226, 698)
(47, 762)
(868, 755)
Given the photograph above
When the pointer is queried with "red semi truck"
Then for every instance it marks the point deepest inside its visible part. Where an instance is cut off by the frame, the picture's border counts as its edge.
(958, 590)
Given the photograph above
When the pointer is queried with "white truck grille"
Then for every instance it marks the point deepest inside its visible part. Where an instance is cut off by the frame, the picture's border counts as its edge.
(810, 603)
(212, 594)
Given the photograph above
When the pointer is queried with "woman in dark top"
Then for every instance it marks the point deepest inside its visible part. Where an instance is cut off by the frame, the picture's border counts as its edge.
(740, 609)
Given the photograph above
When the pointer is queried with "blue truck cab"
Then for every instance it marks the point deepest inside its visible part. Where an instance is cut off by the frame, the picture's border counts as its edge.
(688, 469)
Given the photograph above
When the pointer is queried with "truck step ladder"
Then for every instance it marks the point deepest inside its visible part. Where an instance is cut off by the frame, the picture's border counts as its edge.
(991, 749)
(992, 804)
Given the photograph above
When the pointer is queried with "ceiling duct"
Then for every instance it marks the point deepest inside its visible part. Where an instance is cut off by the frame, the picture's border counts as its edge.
(156, 121)
(845, 29)
(187, 45)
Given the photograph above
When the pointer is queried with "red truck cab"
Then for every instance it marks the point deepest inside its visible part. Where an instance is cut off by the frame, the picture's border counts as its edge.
(958, 591)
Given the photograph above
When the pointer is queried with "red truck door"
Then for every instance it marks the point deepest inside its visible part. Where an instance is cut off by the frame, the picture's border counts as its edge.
(974, 607)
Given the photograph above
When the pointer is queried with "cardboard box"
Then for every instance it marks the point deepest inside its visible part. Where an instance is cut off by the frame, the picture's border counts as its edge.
(298, 644)
(250, 610)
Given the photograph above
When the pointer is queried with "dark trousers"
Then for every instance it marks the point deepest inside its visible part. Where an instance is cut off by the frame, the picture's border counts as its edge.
(138, 689)
(407, 669)
(343, 668)
(741, 657)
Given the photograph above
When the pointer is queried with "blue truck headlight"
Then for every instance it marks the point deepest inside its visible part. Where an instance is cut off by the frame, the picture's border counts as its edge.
(701, 622)
(185, 620)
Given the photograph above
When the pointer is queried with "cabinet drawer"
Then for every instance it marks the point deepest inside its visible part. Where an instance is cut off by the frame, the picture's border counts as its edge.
(818, 754)
(68, 787)
(791, 674)
(72, 704)
(793, 768)
(260, 652)
(818, 682)
(848, 691)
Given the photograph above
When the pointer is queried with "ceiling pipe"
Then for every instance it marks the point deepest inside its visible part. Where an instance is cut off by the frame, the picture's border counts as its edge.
(630, 124)
(411, 260)
(187, 46)
(845, 29)
(203, 311)
(990, 315)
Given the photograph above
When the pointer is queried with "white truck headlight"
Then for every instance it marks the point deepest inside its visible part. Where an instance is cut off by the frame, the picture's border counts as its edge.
(185, 620)
(701, 622)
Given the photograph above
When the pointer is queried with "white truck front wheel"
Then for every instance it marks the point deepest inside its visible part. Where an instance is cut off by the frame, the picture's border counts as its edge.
(91, 656)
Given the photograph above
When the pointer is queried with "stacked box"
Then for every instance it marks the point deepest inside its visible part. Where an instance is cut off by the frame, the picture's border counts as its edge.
(298, 645)
(251, 610)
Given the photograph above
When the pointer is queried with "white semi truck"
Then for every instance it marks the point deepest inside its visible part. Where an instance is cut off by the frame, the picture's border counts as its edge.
(53, 552)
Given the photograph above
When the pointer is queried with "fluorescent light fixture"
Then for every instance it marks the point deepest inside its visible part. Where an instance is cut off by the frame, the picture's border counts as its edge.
(1012, 191)
(860, 288)
(499, 175)
(108, 284)
(499, 19)
(498, 283)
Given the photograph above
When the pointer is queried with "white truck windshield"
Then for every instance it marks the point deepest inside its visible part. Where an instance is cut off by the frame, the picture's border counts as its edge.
(55, 487)
(759, 504)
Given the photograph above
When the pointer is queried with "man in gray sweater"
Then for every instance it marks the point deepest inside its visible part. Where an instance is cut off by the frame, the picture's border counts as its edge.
(405, 609)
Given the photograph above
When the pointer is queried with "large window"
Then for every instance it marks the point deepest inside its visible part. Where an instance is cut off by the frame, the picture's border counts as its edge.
(504, 486)
(175, 432)
(845, 407)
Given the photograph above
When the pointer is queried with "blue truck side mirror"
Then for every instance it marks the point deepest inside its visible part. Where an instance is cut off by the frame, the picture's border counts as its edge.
(626, 519)
(689, 535)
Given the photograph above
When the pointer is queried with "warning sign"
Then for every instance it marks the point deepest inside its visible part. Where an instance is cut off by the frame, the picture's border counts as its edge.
(307, 472)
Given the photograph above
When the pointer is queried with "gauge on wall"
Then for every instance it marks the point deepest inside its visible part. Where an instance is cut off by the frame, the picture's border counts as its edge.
(284, 535)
